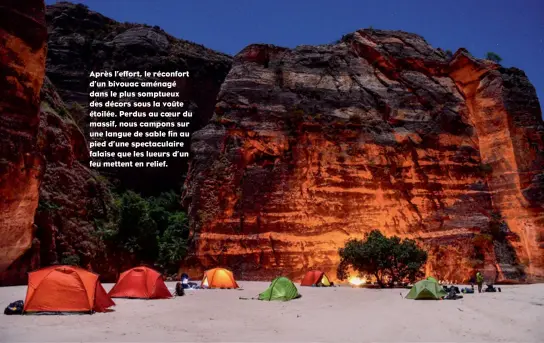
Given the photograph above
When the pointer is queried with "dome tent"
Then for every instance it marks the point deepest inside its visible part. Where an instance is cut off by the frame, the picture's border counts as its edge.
(281, 289)
(426, 289)
(140, 283)
(315, 278)
(218, 278)
(65, 289)
(430, 278)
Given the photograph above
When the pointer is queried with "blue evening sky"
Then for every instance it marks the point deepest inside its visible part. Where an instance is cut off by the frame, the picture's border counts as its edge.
(512, 28)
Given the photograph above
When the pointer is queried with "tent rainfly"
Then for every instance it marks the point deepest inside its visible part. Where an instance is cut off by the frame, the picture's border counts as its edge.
(315, 278)
(426, 289)
(218, 278)
(281, 289)
(65, 289)
(140, 283)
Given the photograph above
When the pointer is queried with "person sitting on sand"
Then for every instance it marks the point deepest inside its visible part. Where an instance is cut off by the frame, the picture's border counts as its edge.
(184, 280)
(468, 290)
(479, 281)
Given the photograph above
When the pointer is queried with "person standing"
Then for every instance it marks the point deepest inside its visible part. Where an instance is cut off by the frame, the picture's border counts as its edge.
(479, 281)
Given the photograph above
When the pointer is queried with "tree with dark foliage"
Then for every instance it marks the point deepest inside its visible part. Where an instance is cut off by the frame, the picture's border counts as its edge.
(382, 257)
(493, 57)
(153, 229)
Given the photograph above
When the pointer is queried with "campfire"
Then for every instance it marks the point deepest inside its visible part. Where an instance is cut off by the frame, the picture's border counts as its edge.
(356, 281)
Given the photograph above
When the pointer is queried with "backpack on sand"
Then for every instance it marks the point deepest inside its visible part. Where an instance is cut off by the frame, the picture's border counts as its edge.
(15, 307)
(179, 290)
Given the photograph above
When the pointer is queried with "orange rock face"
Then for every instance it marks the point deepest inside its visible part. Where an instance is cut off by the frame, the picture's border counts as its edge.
(72, 199)
(312, 146)
(23, 38)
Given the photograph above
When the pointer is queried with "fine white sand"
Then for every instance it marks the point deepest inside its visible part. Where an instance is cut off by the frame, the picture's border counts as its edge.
(338, 314)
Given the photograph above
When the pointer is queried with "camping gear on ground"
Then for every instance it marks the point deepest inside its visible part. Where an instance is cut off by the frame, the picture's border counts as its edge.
(140, 283)
(467, 290)
(316, 278)
(218, 278)
(490, 288)
(448, 289)
(15, 307)
(180, 291)
(281, 289)
(452, 294)
(184, 280)
(65, 289)
(426, 289)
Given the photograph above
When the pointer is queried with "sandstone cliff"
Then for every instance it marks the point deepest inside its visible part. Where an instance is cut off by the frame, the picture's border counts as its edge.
(73, 200)
(313, 145)
(53, 206)
(81, 41)
(22, 62)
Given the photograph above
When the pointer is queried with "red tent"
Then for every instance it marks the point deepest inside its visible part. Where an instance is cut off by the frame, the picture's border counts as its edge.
(142, 283)
(65, 289)
(315, 278)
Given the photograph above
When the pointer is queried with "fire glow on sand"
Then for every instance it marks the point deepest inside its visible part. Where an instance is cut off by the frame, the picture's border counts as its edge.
(356, 281)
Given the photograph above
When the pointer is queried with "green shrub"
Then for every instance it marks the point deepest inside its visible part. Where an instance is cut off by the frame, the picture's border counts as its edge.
(148, 228)
(173, 244)
(47, 206)
(493, 57)
(382, 257)
(70, 259)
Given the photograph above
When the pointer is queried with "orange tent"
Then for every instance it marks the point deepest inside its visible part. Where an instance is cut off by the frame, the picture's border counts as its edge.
(140, 282)
(65, 289)
(218, 278)
(314, 278)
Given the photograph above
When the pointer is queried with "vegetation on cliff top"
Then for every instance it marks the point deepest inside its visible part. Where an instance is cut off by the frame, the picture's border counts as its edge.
(492, 56)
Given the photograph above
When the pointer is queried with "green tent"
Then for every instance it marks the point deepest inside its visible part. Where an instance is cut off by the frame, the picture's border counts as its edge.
(281, 289)
(430, 278)
(426, 289)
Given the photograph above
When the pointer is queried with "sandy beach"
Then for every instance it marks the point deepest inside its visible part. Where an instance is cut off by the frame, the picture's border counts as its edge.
(336, 314)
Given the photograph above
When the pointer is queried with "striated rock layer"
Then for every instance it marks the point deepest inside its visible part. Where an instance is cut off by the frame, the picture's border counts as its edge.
(312, 146)
(23, 38)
